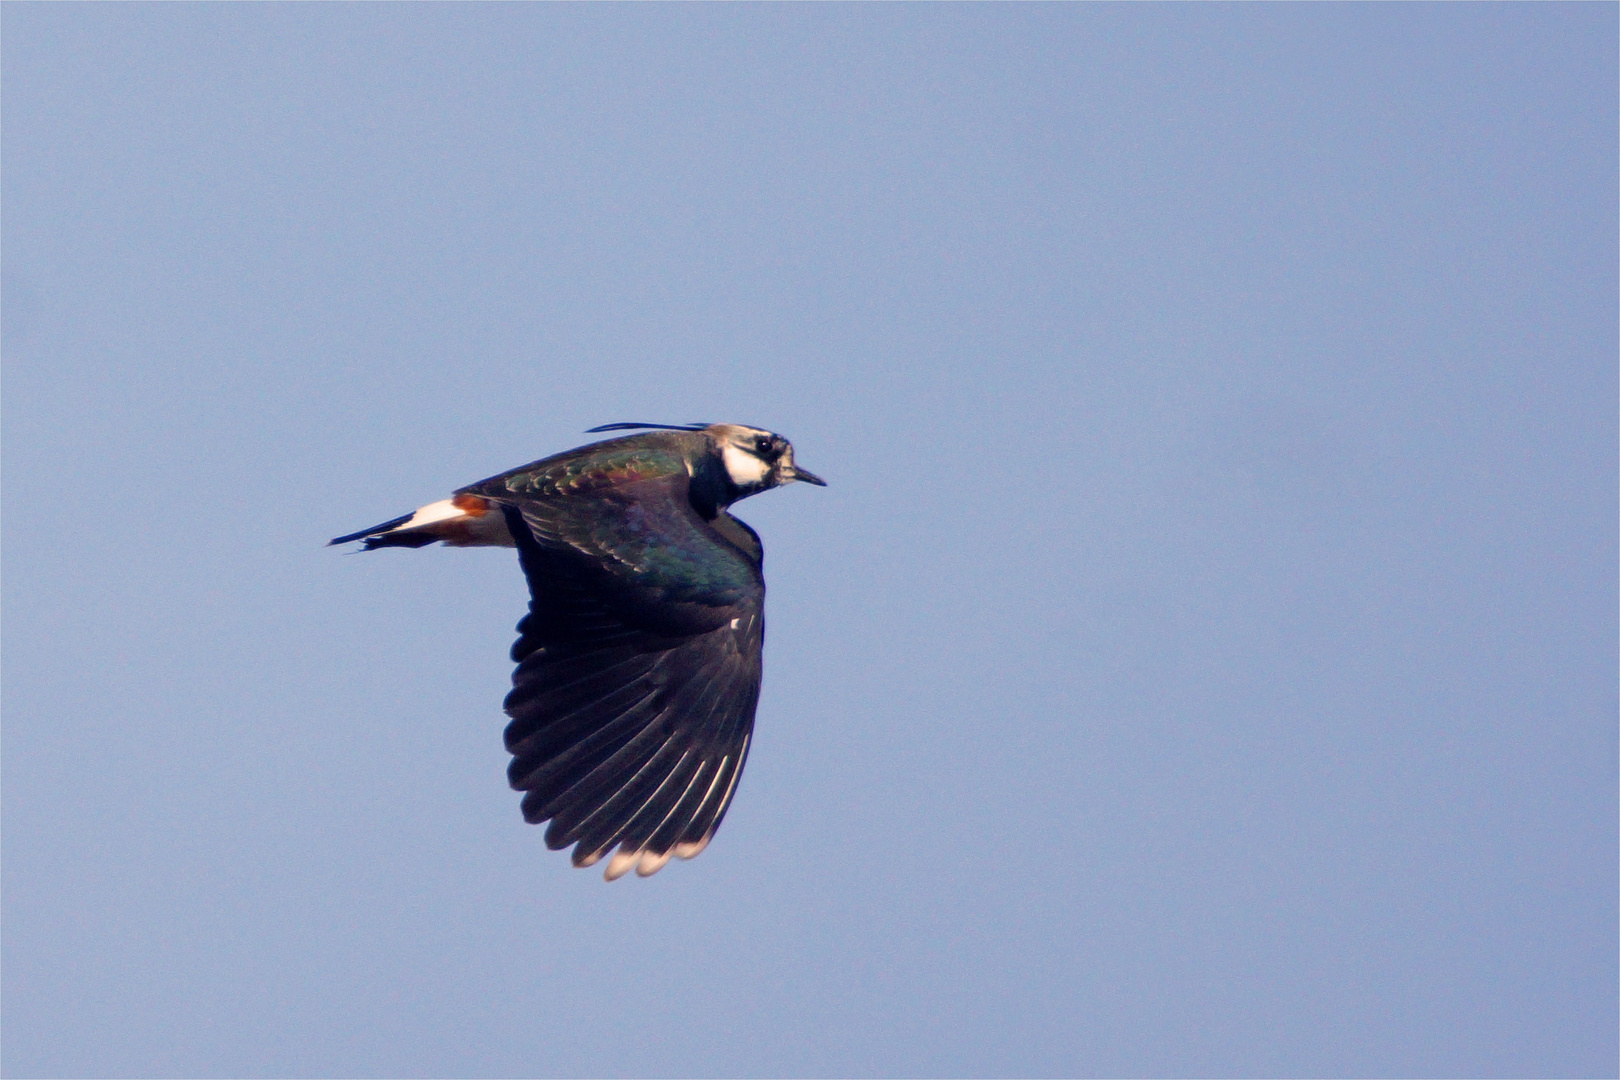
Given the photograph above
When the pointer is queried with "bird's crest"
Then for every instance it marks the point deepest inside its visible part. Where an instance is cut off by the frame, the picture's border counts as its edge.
(630, 426)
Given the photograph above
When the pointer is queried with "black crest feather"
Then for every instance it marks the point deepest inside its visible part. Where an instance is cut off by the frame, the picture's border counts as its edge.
(629, 426)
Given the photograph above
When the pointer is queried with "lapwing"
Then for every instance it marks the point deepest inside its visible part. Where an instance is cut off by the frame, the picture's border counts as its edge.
(638, 664)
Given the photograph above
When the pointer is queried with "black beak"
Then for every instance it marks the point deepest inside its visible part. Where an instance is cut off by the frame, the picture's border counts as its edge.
(793, 472)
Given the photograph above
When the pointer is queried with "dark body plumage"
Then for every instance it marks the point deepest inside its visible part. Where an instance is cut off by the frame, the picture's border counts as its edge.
(638, 673)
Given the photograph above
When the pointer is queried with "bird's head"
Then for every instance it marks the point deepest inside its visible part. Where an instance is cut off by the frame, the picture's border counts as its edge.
(757, 460)
(750, 460)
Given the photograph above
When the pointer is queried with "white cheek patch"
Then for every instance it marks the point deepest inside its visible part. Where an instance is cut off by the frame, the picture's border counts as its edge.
(746, 470)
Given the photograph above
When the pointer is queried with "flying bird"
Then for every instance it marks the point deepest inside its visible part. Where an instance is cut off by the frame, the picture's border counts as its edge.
(638, 664)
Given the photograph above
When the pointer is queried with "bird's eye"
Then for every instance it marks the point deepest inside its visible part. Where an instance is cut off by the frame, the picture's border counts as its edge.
(762, 445)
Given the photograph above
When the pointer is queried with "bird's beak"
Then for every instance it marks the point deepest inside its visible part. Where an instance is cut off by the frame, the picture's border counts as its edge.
(793, 472)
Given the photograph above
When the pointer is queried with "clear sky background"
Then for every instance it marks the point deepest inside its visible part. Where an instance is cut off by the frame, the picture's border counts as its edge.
(1203, 661)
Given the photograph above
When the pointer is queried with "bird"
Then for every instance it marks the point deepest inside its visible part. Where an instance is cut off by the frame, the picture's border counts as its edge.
(639, 661)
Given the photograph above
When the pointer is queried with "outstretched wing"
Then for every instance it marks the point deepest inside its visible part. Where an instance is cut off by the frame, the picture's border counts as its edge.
(638, 663)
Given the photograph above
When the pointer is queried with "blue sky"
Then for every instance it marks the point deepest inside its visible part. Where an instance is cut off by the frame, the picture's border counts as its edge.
(1203, 661)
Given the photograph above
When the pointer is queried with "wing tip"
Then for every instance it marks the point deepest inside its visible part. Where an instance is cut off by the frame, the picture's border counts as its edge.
(692, 849)
(620, 865)
(644, 861)
(651, 862)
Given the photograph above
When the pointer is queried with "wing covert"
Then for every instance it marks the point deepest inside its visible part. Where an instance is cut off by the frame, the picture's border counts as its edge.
(625, 523)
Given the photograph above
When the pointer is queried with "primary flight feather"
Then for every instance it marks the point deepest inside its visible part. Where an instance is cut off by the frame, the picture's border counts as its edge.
(638, 664)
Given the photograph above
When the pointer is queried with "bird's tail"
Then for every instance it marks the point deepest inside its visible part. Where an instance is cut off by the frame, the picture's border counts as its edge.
(462, 521)
(379, 536)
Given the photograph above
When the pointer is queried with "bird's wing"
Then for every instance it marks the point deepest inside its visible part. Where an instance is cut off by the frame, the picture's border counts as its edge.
(638, 663)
